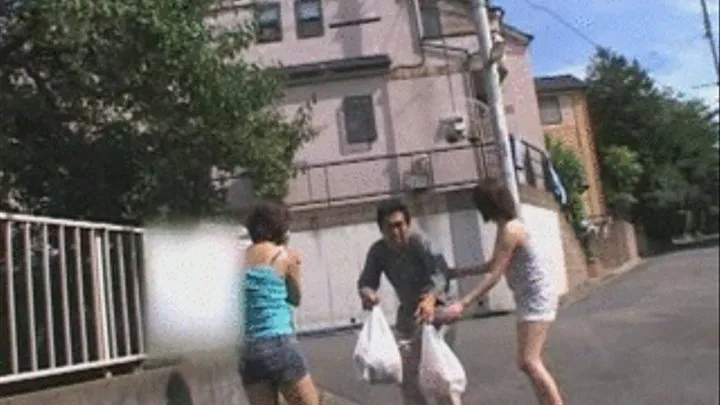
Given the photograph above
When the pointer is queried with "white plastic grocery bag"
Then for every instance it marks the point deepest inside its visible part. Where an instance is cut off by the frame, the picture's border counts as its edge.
(377, 357)
(441, 374)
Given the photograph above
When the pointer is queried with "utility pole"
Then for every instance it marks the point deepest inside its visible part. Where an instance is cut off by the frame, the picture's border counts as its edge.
(491, 79)
(710, 38)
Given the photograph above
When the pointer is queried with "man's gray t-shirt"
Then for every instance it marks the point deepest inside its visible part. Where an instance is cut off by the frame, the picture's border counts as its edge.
(413, 271)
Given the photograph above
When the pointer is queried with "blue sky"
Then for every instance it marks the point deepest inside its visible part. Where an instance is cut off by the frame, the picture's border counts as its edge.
(666, 36)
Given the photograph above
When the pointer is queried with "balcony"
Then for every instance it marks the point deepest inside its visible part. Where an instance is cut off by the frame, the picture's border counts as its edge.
(440, 169)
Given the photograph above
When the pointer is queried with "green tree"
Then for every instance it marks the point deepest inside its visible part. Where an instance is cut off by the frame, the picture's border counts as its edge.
(671, 139)
(621, 171)
(122, 109)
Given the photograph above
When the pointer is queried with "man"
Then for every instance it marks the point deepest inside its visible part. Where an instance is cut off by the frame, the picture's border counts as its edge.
(420, 277)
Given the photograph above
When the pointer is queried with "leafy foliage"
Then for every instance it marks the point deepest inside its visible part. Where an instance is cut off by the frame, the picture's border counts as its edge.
(622, 172)
(667, 163)
(123, 109)
(572, 173)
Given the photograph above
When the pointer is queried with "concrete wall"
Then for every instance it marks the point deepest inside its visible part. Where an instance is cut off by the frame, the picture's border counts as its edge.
(575, 260)
(618, 246)
(201, 381)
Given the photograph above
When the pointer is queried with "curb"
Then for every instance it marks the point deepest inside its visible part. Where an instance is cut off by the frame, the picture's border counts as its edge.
(588, 287)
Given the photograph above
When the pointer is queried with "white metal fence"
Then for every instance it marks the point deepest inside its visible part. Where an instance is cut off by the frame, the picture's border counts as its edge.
(70, 295)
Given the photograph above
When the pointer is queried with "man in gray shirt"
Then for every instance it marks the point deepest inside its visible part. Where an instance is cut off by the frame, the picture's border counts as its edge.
(420, 277)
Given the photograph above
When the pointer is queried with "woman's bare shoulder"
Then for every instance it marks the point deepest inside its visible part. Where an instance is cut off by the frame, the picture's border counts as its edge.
(516, 230)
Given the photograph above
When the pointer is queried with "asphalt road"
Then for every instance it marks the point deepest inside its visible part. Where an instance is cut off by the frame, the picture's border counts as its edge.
(650, 337)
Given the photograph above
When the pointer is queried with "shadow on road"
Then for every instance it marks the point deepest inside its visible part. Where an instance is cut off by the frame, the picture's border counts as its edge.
(177, 391)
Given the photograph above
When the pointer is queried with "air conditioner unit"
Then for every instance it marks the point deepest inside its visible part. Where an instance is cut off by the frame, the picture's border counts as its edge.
(418, 178)
(455, 128)
(417, 181)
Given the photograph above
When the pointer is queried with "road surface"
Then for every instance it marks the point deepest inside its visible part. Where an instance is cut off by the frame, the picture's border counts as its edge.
(650, 337)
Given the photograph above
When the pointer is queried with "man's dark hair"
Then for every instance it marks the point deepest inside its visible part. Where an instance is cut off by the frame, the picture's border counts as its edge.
(389, 207)
(268, 222)
(494, 200)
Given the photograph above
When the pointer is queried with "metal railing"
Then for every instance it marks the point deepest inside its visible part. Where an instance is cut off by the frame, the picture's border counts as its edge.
(361, 179)
(71, 296)
(534, 169)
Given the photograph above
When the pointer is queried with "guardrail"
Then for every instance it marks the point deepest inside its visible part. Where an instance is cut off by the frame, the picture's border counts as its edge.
(71, 296)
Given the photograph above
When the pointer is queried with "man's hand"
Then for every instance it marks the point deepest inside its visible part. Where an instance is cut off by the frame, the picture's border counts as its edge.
(369, 299)
(426, 309)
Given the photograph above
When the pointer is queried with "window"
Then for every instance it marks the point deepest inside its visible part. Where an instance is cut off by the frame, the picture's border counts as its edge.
(269, 22)
(359, 114)
(309, 18)
(430, 16)
(550, 112)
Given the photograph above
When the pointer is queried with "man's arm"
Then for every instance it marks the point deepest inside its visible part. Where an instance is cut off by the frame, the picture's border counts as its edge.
(435, 266)
(369, 280)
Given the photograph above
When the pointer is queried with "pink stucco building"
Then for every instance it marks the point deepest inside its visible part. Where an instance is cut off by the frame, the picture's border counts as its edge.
(396, 91)
(398, 105)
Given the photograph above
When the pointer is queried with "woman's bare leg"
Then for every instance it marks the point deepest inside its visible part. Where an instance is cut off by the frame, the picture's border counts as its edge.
(302, 392)
(531, 341)
(261, 394)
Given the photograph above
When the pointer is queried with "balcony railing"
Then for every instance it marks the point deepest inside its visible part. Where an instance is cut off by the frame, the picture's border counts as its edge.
(531, 164)
(368, 178)
(71, 296)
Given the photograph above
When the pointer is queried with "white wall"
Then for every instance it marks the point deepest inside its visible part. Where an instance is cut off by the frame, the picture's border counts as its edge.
(500, 298)
(192, 291)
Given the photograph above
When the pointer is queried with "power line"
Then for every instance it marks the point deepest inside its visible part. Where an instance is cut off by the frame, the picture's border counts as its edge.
(710, 38)
(564, 22)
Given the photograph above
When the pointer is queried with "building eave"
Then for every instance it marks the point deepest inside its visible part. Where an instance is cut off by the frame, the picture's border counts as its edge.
(334, 69)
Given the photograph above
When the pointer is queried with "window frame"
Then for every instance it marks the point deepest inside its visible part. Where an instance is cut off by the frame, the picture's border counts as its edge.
(430, 6)
(277, 26)
(369, 128)
(309, 27)
(542, 100)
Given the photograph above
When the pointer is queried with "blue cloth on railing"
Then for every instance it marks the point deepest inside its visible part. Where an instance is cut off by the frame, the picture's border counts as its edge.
(556, 185)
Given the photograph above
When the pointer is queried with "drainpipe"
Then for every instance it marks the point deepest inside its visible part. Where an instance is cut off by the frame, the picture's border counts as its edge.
(423, 44)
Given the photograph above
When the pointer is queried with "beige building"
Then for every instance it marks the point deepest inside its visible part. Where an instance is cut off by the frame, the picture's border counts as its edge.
(564, 116)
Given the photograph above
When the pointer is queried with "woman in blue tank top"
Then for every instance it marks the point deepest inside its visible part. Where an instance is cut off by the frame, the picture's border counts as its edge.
(271, 362)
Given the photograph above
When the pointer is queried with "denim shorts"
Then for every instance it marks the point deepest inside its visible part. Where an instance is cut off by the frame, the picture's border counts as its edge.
(275, 359)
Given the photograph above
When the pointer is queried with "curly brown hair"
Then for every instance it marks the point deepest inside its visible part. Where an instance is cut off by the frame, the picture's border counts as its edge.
(268, 222)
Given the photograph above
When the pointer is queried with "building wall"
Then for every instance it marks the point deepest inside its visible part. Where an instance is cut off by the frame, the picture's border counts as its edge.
(576, 265)
(424, 86)
(575, 131)
(618, 246)
(407, 114)
(382, 20)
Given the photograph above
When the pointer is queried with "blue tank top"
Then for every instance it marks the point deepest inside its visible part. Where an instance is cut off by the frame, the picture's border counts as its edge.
(267, 312)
